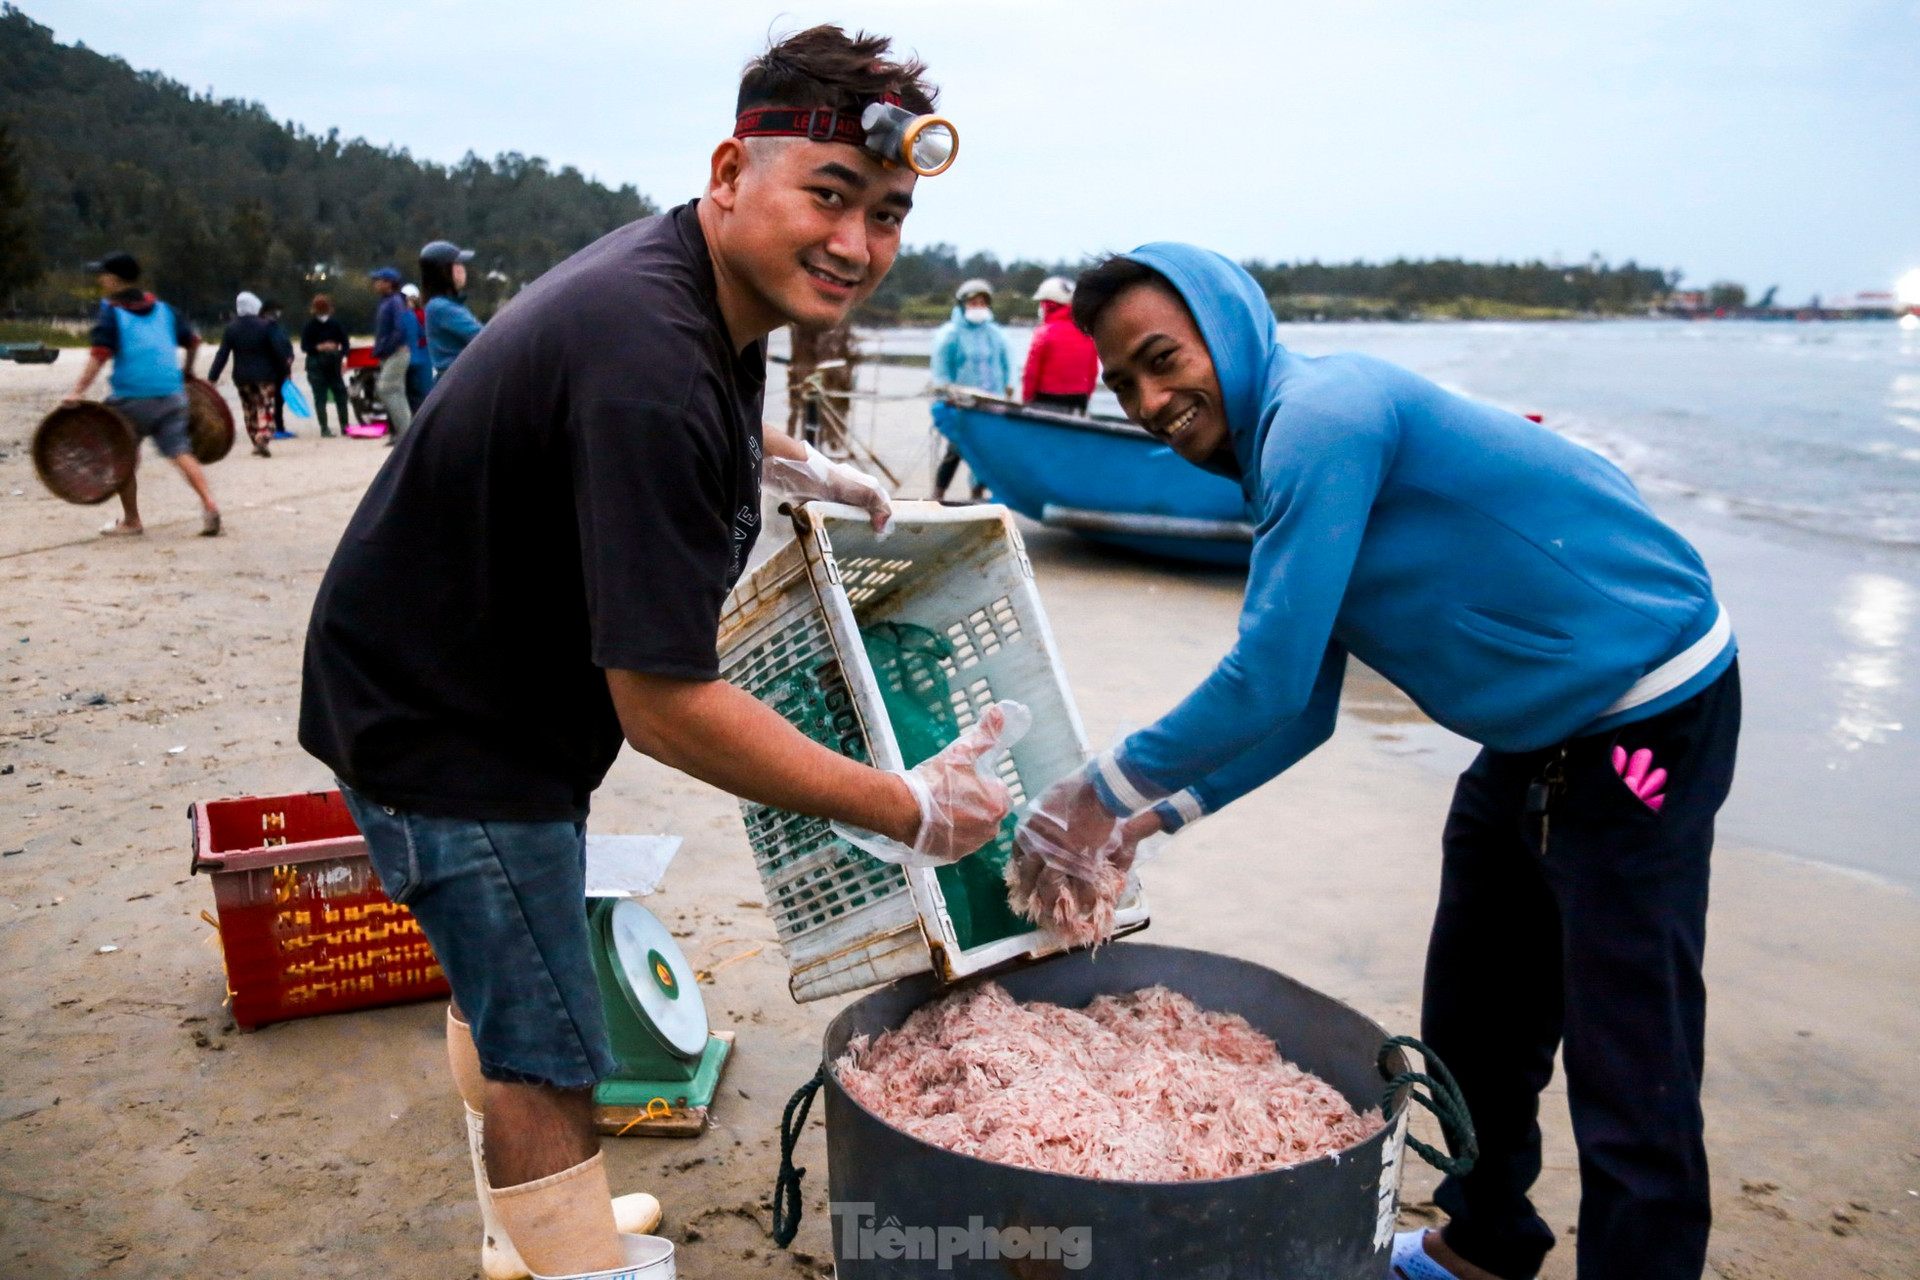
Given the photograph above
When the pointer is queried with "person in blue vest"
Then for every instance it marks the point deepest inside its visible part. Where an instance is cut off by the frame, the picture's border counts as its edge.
(1517, 588)
(139, 334)
(970, 350)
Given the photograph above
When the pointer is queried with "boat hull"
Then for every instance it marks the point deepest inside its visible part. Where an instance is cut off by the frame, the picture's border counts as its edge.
(1108, 482)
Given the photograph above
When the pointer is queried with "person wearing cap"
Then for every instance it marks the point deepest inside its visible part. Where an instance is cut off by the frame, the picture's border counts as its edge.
(1062, 364)
(536, 579)
(450, 325)
(394, 335)
(325, 342)
(138, 334)
(970, 351)
(419, 366)
(262, 357)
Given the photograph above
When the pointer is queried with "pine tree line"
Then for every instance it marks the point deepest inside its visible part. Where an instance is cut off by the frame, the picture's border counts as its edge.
(920, 287)
(214, 195)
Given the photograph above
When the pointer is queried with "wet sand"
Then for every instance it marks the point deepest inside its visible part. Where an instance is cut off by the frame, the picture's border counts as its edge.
(141, 1135)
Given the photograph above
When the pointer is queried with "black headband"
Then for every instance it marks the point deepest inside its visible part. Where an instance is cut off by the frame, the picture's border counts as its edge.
(817, 124)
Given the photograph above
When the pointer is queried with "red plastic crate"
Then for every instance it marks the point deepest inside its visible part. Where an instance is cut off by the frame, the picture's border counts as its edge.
(305, 927)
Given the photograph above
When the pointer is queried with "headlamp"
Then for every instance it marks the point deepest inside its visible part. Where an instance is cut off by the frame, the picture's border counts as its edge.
(885, 130)
(924, 144)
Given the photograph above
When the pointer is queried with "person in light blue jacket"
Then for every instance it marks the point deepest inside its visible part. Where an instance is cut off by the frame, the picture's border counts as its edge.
(970, 351)
(450, 325)
(1516, 587)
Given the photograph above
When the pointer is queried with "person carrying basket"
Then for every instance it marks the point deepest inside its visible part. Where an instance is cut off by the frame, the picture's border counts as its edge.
(137, 333)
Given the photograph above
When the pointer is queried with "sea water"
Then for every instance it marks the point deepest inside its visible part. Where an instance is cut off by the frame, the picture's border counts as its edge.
(1789, 453)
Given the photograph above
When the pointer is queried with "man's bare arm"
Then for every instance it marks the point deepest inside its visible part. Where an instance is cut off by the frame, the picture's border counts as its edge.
(776, 443)
(95, 362)
(728, 738)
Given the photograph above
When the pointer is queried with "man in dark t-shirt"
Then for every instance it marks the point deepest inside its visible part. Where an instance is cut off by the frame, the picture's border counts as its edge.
(536, 576)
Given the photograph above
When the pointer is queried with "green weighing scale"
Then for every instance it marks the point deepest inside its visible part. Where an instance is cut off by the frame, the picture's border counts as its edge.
(667, 1059)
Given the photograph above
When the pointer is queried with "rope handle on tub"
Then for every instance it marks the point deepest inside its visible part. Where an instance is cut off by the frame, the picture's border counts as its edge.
(786, 1186)
(1443, 1098)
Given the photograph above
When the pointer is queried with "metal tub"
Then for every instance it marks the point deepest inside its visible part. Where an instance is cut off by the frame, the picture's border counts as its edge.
(905, 1208)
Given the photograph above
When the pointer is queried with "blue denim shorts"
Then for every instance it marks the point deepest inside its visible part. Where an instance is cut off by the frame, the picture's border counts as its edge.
(504, 905)
(166, 418)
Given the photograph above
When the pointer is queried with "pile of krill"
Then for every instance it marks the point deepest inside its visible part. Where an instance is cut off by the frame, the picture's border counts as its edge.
(1142, 1087)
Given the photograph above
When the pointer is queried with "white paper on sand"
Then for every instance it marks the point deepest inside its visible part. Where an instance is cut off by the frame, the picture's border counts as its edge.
(621, 866)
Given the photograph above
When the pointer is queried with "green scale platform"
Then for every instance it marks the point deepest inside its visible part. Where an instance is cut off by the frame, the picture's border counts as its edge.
(667, 1059)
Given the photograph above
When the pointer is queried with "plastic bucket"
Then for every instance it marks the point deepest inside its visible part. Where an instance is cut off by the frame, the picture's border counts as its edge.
(648, 1258)
(902, 1207)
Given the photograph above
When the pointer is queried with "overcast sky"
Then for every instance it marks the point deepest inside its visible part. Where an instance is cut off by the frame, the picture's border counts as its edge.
(1766, 141)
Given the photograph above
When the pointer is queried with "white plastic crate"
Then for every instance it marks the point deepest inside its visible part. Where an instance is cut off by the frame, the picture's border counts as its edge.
(791, 635)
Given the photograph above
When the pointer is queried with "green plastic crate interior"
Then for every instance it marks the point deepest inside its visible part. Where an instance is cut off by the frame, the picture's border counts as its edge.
(885, 651)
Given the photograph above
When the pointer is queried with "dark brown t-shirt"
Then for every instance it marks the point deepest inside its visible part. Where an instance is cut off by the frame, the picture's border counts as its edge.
(578, 493)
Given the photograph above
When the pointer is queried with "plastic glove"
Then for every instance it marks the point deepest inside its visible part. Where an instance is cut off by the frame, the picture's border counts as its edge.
(1071, 858)
(962, 800)
(1641, 778)
(821, 477)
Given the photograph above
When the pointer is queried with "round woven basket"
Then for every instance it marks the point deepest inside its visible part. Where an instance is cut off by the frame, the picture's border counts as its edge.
(85, 452)
(209, 420)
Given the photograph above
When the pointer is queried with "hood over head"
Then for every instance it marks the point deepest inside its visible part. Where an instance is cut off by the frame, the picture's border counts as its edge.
(1054, 289)
(246, 304)
(1237, 322)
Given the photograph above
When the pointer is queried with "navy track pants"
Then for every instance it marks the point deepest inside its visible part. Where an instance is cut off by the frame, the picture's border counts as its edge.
(1572, 916)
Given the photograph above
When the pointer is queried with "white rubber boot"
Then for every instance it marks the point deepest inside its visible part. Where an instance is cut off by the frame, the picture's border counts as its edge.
(499, 1260)
(635, 1214)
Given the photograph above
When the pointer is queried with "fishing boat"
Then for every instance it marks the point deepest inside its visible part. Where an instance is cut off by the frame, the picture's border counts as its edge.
(1102, 478)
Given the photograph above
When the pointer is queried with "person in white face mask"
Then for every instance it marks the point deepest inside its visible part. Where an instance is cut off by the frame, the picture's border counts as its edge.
(970, 351)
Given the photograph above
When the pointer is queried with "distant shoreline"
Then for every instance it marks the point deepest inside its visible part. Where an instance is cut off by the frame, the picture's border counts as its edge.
(1441, 316)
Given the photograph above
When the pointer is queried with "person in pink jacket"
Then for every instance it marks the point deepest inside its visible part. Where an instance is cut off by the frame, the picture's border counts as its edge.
(1062, 365)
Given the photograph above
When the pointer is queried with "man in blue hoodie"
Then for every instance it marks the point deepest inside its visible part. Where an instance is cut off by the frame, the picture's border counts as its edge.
(1516, 587)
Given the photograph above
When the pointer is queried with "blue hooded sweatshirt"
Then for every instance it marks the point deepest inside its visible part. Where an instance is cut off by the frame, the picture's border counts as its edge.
(1512, 583)
(966, 354)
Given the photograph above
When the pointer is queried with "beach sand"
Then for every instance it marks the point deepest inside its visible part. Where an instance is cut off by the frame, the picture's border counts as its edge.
(140, 1134)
